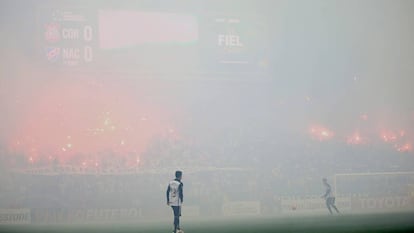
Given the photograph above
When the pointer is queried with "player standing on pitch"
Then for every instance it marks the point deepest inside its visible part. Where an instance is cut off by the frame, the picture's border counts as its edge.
(329, 197)
(175, 198)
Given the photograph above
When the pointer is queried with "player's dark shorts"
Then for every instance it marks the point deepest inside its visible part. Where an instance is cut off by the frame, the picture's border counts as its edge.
(330, 201)
(177, 210)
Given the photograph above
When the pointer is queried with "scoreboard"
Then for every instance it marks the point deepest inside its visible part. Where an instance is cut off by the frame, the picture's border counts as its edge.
(152, 41)
(68, 36)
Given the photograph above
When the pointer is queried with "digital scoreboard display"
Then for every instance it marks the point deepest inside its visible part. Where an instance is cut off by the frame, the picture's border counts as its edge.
(151, 41)
(68, 37)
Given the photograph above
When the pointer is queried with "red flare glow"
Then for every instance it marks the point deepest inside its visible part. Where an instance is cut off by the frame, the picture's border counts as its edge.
(356, 139)
(407, 147)
(389, 136)
(76, 122)
(320, 133)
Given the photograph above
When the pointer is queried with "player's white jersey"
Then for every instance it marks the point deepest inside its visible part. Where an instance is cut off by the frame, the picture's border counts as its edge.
(329, 192)
(174, 193)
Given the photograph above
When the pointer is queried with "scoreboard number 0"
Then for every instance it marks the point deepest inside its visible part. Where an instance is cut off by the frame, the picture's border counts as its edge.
(87, 54)
(87, 33)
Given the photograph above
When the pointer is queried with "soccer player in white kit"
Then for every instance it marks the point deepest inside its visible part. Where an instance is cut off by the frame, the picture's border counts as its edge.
(329, 197)
(175, 197)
